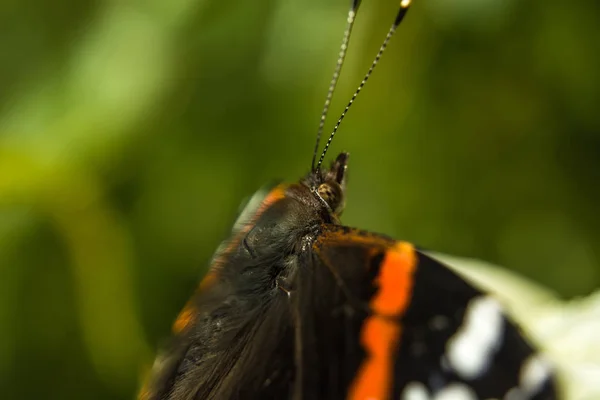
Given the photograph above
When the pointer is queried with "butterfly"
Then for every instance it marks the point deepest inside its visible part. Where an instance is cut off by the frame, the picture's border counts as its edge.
(298, 306)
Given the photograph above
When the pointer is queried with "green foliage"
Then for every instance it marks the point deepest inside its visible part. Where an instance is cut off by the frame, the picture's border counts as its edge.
(131, 131)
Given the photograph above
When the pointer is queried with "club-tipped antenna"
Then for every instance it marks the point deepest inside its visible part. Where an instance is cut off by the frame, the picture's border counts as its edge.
(404, 5)
(336, 74)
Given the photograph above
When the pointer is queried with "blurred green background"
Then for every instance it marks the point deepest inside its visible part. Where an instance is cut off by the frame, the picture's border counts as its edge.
(130, 132)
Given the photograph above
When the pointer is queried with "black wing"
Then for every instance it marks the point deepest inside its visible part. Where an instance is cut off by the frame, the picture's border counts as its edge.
(451, 339)
(342, 313)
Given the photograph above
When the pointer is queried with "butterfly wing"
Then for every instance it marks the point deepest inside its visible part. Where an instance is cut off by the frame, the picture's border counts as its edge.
(234, 338)
(346, 314)
(428, 333)
(237, 344)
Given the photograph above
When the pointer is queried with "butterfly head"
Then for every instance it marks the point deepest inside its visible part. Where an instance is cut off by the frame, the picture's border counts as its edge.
(329, 185)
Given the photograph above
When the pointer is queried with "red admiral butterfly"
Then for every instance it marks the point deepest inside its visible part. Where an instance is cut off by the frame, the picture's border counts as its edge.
(296, 305)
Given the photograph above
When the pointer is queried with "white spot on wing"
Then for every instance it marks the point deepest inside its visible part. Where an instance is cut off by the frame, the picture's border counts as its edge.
(471, 349)
(455, 391)
(415, 391)
(534, 372)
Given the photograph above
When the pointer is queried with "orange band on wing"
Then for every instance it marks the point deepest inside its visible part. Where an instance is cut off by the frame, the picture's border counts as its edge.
(188, 315)
(380, 335)
(184, 319)
(395, 280)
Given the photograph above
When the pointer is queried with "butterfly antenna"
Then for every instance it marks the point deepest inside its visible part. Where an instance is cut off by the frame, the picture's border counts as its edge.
(336, 74)
(404, 5)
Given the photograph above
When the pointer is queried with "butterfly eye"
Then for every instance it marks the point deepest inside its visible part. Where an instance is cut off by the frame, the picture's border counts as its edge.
(331, 193)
